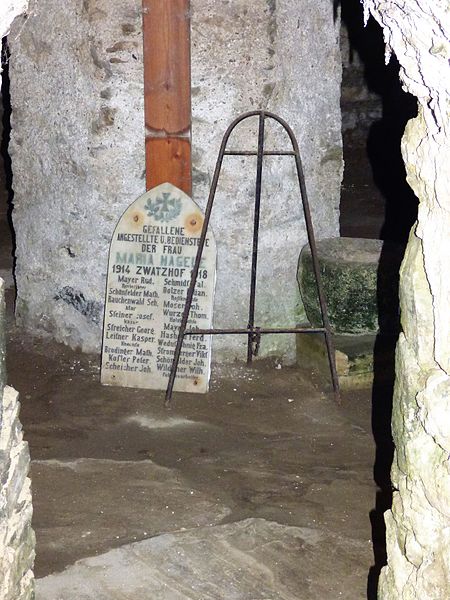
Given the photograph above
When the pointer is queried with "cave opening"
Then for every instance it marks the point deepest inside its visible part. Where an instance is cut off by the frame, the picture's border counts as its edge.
(376, 203)
(376, 200)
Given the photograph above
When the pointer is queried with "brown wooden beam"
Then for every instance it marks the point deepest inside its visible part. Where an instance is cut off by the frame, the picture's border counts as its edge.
(167, 93)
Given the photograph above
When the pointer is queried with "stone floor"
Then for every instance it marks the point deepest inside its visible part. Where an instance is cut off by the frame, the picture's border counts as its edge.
(253, 558)
(263, 489)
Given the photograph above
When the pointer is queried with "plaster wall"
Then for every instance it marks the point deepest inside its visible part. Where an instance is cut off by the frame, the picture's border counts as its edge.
(77, 149)
(418, 533)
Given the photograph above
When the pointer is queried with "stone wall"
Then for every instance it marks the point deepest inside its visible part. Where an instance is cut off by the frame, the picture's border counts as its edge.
(78, 150)
(418, 533)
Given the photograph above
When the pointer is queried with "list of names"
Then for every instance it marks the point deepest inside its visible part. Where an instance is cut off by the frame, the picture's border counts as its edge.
(151, 257)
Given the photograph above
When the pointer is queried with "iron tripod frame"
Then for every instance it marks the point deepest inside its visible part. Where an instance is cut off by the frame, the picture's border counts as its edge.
(254, 333)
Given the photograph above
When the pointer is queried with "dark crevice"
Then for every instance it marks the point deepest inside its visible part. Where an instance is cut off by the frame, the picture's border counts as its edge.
(6, 176)
(376, 202)
(374, 183)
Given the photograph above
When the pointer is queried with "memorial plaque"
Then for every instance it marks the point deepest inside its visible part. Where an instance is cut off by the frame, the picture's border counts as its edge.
(151, 257)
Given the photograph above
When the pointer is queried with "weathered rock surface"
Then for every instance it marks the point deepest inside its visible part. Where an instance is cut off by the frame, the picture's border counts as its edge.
(78, 150)
(250, 559)
(16, 536)
(360, 281)
(418, 540)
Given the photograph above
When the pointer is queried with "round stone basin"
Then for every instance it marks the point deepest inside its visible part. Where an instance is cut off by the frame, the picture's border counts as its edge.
(360, 281)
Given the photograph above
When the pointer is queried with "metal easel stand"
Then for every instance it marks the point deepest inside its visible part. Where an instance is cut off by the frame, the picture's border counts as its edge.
(254, 333)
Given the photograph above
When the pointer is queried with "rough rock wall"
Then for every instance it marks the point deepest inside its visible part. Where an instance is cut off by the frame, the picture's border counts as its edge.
(17, 539)
(78, 151)
(16, 536)
(418, 532)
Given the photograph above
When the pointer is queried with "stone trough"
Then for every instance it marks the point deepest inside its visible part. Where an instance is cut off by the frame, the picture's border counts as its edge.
(360, 280)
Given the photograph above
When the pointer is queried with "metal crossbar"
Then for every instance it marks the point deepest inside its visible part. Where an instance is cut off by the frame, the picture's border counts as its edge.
(254, 333)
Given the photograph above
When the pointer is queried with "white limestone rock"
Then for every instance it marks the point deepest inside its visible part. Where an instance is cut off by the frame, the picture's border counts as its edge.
(418, 534)
(16, 536)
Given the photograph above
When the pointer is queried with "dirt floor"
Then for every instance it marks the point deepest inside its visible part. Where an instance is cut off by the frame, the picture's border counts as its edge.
(264, 488)
(111, 466)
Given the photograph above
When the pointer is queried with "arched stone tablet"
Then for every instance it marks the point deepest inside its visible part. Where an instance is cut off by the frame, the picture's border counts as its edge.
(151, 256)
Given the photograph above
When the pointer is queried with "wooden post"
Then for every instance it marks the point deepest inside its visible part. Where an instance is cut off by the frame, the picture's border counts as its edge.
(167, 93)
